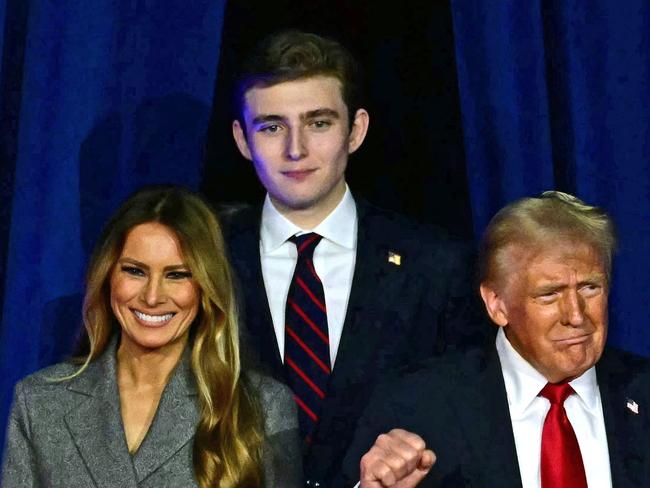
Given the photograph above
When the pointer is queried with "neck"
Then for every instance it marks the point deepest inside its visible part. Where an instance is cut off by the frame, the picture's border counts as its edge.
(309, 217)
(138, 366)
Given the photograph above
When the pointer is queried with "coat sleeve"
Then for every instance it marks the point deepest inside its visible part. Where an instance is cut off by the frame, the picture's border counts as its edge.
(282, 457)
(19, 467)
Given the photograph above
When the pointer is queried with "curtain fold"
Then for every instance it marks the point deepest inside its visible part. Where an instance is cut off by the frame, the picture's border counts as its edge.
(116, 94)
(554, 95)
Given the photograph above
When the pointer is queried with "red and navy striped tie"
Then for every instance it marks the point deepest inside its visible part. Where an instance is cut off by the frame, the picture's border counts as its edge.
(306, 338)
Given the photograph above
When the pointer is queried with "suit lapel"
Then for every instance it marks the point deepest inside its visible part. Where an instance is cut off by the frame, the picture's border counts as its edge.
(366, 316)
(96, 424)
(174, 423)
(491, 459)
(245, 251)
(362, 325)
(626, 435)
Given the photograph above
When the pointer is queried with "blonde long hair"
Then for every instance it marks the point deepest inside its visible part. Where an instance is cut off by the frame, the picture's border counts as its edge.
(228, 439)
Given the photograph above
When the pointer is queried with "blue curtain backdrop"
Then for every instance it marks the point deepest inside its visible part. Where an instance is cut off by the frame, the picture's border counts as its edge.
(98, 98)
(556, 95)
(114, 94)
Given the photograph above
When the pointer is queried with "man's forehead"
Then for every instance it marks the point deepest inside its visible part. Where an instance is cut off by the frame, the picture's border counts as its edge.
(295, 96)
(551, 260)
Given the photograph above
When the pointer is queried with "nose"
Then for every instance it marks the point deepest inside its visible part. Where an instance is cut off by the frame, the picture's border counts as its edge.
(296, 144)
(573, 307)
(153, 293)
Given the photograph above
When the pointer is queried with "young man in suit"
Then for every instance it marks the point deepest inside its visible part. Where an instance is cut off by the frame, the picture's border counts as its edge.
(336, 292)
(546, 404)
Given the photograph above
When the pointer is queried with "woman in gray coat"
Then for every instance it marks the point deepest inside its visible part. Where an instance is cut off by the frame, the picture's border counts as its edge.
(160, 399)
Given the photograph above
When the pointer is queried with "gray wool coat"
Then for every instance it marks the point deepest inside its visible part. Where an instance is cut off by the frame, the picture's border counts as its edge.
(70, 433)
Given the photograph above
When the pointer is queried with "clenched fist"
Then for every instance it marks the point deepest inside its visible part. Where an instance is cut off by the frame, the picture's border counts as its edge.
(398, 459)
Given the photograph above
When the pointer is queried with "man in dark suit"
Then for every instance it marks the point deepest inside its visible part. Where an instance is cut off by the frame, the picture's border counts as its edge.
(336, 291)
(545, 403)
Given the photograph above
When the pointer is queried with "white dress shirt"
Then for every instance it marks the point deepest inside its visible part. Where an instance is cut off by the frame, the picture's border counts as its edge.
(528, 411)
(334, 259)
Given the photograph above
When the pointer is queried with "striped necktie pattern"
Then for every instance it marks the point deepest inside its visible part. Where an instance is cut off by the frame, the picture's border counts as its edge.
(306, 346)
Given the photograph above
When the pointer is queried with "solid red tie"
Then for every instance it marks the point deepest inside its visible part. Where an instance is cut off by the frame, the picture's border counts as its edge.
(561, 461)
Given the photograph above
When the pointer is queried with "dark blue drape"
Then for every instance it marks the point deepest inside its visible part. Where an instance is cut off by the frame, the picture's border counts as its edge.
(114, 94)
(555, 95)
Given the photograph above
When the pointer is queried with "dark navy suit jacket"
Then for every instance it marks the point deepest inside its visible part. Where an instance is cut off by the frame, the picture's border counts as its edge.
(395, 315)
(458, 405)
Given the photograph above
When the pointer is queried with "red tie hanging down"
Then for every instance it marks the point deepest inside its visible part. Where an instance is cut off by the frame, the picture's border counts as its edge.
(306, 338)
(561, 461)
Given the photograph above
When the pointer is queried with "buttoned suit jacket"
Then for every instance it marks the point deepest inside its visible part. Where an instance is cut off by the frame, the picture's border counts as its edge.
(70, 433)
(396, 314)
(458, 405)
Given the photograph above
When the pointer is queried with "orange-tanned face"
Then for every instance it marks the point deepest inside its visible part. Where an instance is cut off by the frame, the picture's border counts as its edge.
(553, 307)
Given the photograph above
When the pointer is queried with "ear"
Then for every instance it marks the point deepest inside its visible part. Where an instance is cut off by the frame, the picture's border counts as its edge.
(494, 305)
(359, 130)
(240, 139)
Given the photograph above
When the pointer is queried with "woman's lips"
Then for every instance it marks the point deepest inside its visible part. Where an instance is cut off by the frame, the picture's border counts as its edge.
(152, 320)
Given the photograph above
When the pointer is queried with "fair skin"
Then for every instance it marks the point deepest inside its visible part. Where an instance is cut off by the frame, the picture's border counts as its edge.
(398, 459)
(155, 300)
(298, 136)
(553, 308)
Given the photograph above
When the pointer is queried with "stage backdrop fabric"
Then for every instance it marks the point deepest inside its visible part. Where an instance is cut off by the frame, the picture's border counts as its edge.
(101, 97)
(556, 95)
(115, 94)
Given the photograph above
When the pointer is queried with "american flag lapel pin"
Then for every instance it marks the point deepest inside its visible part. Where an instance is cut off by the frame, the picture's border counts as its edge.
(632, 406)
(394, 258)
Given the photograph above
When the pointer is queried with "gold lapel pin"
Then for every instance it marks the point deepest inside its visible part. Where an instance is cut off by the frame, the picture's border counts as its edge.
(394, 258)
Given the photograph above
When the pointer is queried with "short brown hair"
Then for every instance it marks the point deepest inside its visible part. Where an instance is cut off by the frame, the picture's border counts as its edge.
(534, 221)
(292, 55)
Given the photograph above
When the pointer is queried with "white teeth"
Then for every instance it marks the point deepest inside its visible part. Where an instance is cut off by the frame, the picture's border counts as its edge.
(153, 318)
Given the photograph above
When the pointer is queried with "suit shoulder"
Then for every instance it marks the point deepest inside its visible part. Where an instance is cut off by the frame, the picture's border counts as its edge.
(45, 393)
(52, 377)
(238, 217)
(623, 364)
(382, 225)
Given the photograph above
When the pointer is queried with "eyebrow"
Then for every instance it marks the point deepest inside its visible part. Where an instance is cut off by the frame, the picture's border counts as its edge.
(172, 267)
(260, 119)
(595, 279)
(320, 112)
(312, 114)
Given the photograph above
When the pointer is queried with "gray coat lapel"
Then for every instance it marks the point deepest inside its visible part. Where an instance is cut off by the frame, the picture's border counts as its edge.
(174, 423)
(96, 424)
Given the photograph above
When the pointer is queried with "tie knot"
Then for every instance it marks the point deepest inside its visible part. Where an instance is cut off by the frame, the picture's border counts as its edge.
(556, 393)
(306, 243)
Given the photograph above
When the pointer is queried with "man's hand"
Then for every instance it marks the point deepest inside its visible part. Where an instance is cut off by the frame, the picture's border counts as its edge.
(398, 459)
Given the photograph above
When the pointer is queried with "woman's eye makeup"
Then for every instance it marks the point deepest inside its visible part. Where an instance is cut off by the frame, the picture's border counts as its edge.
(179, 275)
(132, 270)
(172, 275)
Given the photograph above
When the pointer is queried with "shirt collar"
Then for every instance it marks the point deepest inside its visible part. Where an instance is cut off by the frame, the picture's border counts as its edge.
(339, 227)
(523, 382)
